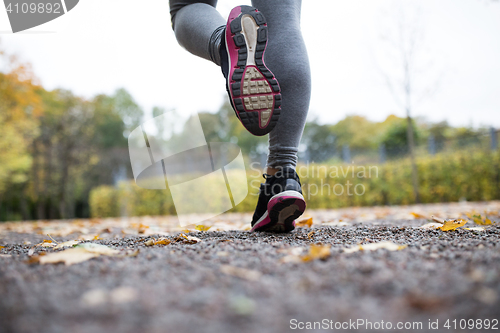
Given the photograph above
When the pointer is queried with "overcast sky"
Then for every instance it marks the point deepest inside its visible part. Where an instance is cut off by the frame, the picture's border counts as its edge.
(103, 45)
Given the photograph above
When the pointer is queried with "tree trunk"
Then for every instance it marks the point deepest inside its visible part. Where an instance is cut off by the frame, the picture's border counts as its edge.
(411, 147)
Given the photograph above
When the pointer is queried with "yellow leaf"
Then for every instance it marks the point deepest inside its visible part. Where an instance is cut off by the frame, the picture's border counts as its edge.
(309, 235)
(162, 241)
(452, 224)
(303, 223)
(317, 252)
(478, 219)
(46, 243)
(142, 228)
(1, 247)
(201, 227)
(96, 237)
(418, 216)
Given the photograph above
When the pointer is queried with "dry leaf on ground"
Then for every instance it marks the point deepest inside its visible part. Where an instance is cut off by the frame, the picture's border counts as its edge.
(418, 216)
(79, 253)
(292, 254)
(187, 239)
(66, 244)
(452, 224)
(316, 252)
(311, 234)
(160, 241)
(201, 227)
(476, 229)
(431, 225)
(68, 257)
(390, 246)
(478, 219)
(244, 273)
(98, 248)
(47, 243)
(304, 223)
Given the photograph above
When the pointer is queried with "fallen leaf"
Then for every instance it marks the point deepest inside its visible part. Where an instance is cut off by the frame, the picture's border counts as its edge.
(201, 227)
(310, 235)
(78, 254)
(437, 219)
(68, 257)
(46, 243)
(142, 228)
(390, 246)
(293, 254)
(97, 248)
(317, 252)
(452, 224)
(123, 295)
(66, 244)
(305, 222)
(478, 219)
(1, 247)
(161, 241)
(187, 239)
(431, 225)
(243, 273)
(418, 216)
(475, 229)
(94, 297)
(295, 251)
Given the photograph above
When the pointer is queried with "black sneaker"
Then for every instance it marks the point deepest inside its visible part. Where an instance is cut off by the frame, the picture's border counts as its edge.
(280, 202)
(253, 90)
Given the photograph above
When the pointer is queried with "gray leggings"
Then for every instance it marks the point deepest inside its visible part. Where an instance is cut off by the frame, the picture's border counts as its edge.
(194, 22)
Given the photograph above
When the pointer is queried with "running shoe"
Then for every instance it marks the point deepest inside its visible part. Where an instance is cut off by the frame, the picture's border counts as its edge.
(253, 90)
(280, 202)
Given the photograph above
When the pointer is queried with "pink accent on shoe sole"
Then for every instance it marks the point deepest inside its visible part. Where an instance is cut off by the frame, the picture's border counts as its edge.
(262, 223)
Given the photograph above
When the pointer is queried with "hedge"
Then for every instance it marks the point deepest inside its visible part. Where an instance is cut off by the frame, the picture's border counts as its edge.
(471, 176)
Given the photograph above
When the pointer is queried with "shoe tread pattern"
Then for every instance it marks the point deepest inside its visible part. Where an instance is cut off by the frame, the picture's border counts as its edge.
(255, 89)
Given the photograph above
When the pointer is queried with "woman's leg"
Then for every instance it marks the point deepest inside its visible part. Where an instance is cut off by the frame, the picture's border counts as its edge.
(286, 57)
(198, 27)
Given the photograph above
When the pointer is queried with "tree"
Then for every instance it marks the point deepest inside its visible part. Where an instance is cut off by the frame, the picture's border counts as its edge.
(20, 108)
(404, 44)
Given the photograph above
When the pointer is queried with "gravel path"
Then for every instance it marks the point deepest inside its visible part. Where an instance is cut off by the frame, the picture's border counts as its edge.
(236, 281)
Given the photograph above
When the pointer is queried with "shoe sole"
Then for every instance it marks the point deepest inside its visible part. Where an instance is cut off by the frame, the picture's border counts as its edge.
(282, 211)
(254, 91)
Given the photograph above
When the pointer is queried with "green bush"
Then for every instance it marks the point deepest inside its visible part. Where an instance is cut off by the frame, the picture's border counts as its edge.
(442, 178)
